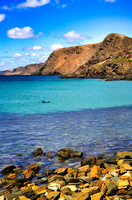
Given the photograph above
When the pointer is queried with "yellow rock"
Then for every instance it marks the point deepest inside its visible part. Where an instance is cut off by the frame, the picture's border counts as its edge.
(95, 171)
(96, 196)
(122, 184)
(120, 162)
(40, 190)
(61, 170)
(23, 198)
(86, 185)
(126, 175)
(71, 170)
(126, 166)
(73, 188)
(2, 197)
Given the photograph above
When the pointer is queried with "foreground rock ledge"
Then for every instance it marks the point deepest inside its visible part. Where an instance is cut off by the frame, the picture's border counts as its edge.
(96, 179)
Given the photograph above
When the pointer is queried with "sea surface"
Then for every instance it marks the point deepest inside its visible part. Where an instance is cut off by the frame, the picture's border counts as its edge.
(90, 115)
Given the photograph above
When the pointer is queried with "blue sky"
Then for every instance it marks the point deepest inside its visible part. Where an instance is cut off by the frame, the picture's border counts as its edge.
(31, 29)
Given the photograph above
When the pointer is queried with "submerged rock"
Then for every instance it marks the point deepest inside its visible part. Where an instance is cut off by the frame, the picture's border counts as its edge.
(37, 152)
(91, 160)
(65, 153)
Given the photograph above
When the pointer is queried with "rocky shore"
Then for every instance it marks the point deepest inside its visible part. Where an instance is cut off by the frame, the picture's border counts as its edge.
(97, 178)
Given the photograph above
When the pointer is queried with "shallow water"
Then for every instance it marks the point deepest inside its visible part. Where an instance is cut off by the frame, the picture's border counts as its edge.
(24, 94)
(93, 116)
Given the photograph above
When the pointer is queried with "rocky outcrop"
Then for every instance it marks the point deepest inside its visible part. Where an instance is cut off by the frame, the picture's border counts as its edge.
(110, 59)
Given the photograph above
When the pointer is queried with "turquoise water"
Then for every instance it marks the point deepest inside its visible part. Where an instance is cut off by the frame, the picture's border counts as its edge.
(24, 94)
(91, 115)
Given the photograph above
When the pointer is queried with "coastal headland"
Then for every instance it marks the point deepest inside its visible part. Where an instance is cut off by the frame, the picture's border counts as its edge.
(110, 59)
(95, 178)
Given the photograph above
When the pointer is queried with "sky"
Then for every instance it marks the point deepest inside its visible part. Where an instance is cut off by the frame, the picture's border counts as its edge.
(32, 29)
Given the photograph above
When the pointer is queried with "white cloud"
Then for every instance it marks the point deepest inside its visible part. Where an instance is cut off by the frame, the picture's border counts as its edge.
(32, 3)
(110, 1)
(21, 33)
(72, 36)
(17, 55)
(34, 48)
(55, 47)
(2, 17)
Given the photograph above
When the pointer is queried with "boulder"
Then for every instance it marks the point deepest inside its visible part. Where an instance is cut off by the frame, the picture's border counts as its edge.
(64, 153)
(8, 169)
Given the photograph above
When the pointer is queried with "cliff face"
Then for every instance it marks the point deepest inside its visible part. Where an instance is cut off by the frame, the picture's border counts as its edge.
(68, 60)
(27, 70)
(111, 58)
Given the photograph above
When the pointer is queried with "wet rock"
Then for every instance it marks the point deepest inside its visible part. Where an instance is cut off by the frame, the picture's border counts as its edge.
(111, 189)
(64, 153)
(37, 152)
(51, 154)
(31, 170)
(61, 171)
(8, 169)
(91, 160)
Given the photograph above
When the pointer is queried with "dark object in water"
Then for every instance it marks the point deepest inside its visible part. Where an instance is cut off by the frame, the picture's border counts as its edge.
(45, 102)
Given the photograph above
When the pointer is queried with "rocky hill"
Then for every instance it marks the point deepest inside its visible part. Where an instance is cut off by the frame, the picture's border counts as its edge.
(110, 59)
(27, 70)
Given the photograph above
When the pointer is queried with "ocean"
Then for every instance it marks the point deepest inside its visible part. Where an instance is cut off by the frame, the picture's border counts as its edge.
(90, 115)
